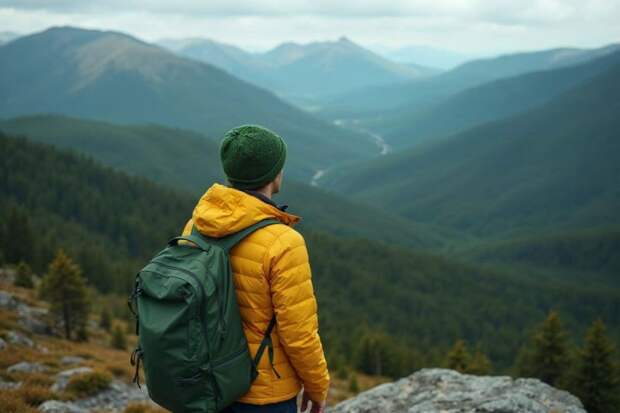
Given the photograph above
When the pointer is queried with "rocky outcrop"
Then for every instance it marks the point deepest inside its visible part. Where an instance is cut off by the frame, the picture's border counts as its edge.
(32, 319)
(446, 391)
(25, 367)
(62, 378)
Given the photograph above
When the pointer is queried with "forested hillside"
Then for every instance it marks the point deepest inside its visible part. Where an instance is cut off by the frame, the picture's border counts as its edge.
(422, 303)
(114, 77)
(190, 162)
(553, 168)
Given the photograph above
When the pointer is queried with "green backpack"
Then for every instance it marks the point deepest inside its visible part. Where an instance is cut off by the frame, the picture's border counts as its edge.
(190, 338)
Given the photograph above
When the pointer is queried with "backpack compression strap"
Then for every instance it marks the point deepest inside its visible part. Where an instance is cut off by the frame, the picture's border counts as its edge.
(267, 343)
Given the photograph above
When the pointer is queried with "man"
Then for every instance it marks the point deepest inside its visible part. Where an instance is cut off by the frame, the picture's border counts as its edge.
(271, 273)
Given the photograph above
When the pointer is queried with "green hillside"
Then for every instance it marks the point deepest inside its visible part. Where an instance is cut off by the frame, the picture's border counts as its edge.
(570, 254)
(175, 157)
(377, 101)
(113, 77)
(190, 162)
(555, 167)
(422, 301)
(488, 102)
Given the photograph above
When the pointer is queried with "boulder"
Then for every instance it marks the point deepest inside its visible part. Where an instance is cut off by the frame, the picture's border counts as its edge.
(446, 391)
(114, 399)
(19, 339)
(54, 406)
(71, 360)
(33, 319)
(9, 385)
(8, 301)
(26, 367)
(62, 378)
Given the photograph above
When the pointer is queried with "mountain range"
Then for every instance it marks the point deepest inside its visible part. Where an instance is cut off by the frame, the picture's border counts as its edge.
(488, 102)
(303, 72)
(556, 166)
(114, 77)
(375, 101)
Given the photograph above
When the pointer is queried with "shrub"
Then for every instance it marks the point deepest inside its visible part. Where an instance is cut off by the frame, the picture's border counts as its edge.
(24, 276)
(88, 384)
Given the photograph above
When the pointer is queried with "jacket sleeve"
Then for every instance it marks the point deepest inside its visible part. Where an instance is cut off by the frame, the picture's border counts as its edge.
(294, 303)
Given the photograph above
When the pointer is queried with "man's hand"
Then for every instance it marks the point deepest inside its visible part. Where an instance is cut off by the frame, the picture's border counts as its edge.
(317, 407)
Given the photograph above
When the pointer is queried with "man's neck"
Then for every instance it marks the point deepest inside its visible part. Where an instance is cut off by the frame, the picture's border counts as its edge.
(266, 191)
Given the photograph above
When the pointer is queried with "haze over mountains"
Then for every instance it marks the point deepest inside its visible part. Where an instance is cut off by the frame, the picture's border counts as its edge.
(303, 72)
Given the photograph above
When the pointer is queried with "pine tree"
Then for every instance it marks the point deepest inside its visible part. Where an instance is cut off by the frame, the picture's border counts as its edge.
(65, 289)
(105, 320)
(547, 355)
(353, 385)
(596, 380)
(23, 277)
(119, 340)
(479, 364)
(458, 358)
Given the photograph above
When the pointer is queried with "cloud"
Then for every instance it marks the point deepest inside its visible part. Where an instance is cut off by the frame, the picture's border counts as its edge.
(472, 26)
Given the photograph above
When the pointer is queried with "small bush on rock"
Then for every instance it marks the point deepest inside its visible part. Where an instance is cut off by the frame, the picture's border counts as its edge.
(88, 384)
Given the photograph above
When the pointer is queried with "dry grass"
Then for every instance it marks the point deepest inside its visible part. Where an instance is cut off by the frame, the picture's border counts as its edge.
(10, 402)
(143, 408)
(34, 395)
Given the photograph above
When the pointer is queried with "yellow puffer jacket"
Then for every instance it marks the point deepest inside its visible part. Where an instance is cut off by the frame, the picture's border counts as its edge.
(271, 274)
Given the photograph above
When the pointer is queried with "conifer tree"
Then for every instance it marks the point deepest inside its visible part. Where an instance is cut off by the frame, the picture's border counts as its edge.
(23, 278)
(546, 357)
(353, 385)
(105, 320)
(479, 363)
(596, 380)
(119, 340)
(458, 357)
(65, 289)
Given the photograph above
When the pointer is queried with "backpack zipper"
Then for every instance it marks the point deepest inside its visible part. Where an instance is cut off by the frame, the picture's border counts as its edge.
(228, 358)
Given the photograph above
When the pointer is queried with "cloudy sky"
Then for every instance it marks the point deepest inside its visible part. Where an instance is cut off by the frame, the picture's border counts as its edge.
(474, 27)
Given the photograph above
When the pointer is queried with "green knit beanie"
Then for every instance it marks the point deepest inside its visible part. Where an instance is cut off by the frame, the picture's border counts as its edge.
(252, 156)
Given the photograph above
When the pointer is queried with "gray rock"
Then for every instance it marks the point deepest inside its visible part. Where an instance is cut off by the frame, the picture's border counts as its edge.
(62, 378)
(26, 367)
(54, 406)
(446, 391)
(9, 385)
(33, 319)
(3, 344)
(71, 360)
(8, 301)
(19, 339)
(115, 399)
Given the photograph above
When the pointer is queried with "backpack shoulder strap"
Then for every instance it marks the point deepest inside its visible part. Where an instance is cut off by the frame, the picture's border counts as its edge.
(227, 243)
